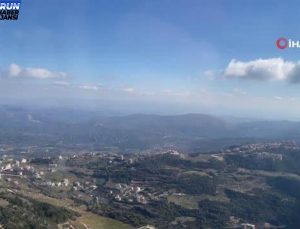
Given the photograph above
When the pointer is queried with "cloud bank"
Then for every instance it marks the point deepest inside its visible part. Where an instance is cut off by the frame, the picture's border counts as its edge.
(273, 69)
(16, 71)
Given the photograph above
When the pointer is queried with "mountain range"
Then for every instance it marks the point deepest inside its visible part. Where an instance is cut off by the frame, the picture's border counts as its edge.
(192, 132)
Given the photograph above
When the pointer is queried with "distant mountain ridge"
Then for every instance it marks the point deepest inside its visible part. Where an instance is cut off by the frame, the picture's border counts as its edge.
(140, 131)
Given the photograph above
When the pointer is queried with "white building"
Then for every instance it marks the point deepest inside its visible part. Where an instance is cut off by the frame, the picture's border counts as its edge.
(23, 161)
(248, 226)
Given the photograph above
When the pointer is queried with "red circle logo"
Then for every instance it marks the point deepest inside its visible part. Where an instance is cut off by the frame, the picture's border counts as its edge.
(282, 43)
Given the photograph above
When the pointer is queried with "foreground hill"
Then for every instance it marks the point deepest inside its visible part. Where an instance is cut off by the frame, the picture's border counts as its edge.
(255, 184)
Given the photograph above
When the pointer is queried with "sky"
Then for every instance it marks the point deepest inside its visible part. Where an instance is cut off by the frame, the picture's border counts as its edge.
(154, 56)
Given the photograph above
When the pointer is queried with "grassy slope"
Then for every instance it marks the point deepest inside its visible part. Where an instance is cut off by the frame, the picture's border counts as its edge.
(87, 220)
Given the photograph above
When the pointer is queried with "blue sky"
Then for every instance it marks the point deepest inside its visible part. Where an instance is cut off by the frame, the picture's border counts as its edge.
(168, 52)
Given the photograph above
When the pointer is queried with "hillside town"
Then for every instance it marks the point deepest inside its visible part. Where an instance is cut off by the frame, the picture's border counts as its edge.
(108, 183)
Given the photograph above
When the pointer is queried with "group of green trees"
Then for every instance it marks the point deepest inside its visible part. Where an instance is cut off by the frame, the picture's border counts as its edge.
(21, 212)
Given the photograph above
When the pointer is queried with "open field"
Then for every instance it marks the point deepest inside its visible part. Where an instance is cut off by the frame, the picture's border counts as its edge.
(192, 201)
(94, 221)
(87, 220)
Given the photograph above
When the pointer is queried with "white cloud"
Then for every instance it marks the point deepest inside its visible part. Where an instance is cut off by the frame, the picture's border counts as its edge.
(236, 92)
(89, 87)
(15, 71)
(62, 83)
(273, 69)
(128, 89)
(278, 98)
